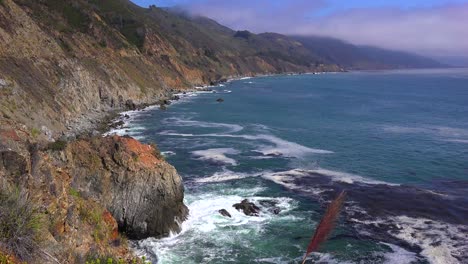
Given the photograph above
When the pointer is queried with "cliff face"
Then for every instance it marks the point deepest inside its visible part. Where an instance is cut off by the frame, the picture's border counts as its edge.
(91, 190)
(129, 178)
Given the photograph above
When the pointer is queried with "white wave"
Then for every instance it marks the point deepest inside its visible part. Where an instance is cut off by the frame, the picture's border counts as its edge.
(347, 177)
(286, 178)
(206, 225)
(285, 148)
(230, 128)
(464, 141)
(217, 155)
(399, 255)
(168, 153)
(444, 132)
(169, 133)
(280, 146)
(225, 175)
(440, 242)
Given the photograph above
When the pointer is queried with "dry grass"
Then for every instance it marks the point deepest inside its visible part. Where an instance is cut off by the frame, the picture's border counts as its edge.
(20, 224)
(326, 225)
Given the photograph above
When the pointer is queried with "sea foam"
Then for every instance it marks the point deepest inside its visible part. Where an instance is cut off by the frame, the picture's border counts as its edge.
(217, 155)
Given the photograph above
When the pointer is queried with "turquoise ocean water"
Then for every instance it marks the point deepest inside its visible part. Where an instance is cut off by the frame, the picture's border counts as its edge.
(396, 141)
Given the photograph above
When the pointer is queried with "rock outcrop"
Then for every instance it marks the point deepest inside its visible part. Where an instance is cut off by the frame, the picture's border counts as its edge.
(142, 191)
(91, 190)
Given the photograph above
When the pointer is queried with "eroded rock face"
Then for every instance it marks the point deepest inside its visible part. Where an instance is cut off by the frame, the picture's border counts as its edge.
(91, 188)
(142, 191)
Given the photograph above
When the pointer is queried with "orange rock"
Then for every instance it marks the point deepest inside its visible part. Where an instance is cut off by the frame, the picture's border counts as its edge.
(112, 223)
(9, 134)
(144, 153)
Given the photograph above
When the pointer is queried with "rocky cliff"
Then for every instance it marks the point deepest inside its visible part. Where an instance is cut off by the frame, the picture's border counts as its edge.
(87, 193)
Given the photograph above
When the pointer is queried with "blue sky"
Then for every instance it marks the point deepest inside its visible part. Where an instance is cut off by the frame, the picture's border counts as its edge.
(428, 27)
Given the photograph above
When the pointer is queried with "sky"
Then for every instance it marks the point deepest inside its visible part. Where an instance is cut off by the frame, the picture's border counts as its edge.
(437, 28)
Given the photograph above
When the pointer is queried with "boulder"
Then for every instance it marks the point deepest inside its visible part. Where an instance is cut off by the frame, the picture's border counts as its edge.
(224, 212)
(247, 207)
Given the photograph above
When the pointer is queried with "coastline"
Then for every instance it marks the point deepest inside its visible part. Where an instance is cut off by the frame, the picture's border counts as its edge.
(114, 119)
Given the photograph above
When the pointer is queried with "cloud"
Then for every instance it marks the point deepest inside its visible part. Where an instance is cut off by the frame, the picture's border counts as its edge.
(435, 30)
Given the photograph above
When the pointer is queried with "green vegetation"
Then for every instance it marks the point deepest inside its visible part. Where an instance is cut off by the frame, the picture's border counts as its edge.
(73, 192)
(157, 153)
(119, 16)
(6, 259)
(20, 224)
(58, 145)
(111, 260)
(35, 132)
(73, 14)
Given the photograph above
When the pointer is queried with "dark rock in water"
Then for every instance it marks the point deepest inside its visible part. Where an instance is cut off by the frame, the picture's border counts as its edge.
(274, 154)
(175, 98)
(163, 107)
(224, 212)
(164, 102)
(271, 206)
(117, 124)
(275, 210)
(247, 207)
(220, 100)
(126, 116)
(268, 203)
(129, 104)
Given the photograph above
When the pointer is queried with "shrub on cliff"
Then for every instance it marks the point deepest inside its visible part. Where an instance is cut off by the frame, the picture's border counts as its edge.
(20, 224)
(58, 145)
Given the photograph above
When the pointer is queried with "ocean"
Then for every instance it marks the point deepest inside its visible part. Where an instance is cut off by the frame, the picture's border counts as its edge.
(395, 141)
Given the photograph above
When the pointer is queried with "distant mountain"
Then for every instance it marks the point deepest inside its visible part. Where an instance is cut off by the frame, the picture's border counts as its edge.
(313, 50)
(352, 56)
